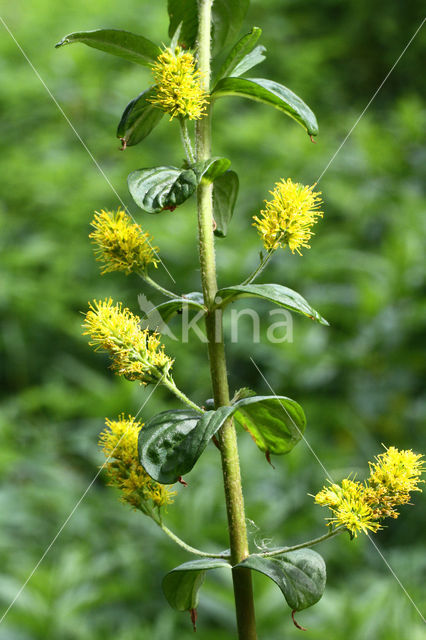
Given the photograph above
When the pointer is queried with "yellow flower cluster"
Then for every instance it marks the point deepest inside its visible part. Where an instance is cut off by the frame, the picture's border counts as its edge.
(136, 354)
(287, 218)
(360, 507)
(119, 442)
(120, 243)
(179, 90)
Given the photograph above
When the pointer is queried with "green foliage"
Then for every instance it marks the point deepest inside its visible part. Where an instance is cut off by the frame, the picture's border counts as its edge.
(282, 296)
(243, 56)
(270, 93)
(360, 384)
(225, 193)
(139, 119)
(120, 43)
(301, 575)
(160, 188)
(167, 310)
(182, 584)
(211, 169)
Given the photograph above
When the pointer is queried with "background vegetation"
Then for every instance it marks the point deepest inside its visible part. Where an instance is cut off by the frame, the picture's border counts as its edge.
(359, 380)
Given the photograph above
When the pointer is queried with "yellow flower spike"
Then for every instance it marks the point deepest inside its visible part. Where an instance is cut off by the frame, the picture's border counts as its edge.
(120, 243)
(287, 218)
(179, 90)
(119, 442)
(136, 354)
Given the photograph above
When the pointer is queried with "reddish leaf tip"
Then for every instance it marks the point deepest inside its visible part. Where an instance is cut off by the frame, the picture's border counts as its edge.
(268, 458)
(182, 481)
(296, 624)
(312, 140)
(194, 615)
(123, 144)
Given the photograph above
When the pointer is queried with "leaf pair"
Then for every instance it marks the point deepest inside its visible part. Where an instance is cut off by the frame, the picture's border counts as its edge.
(301, 576)
(171, 442)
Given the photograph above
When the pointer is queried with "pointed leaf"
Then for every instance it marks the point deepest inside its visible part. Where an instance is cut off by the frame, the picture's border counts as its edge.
(117, 42)
(181, 585)
(301, 575)
(167, 310)
(161, 188)
(242, 49)
(139, 119)
(225, 192)
(211, 169)
(276, 293)
(249, 61)
(276, 424)
(271, 93)
(227, 17)
(171, 442)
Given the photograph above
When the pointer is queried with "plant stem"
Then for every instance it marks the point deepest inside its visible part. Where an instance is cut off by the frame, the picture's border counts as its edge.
(157, 286)
(264, 261)
(303, 545)
(186, 140)
(227, 436)
(170, 384)
(188, 547)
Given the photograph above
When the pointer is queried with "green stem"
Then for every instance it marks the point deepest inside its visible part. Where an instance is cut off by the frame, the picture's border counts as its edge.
(263, 262)
(303, 545)
(227, 436)
(186, 140)
(157, 286)
(188, 547)
(170, 384)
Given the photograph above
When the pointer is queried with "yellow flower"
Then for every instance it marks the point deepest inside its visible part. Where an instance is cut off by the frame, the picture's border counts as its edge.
(120, 243)
(392, 477)
(179, 90)
(136, 354)
(348, 506)
(119, 442)
(359, 507)
(287, 218)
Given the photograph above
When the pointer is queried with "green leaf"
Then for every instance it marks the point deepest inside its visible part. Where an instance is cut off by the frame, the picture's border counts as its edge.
(249, 61)
(139, 119)
(276, 424)
(168, 309)
(225, 192)
(276, 293)
(120, 43)
(181, 585)
(184, 13)
(227, 17)
(171, 442)
(238, 53)
(301, 575)
(161, 188)
(271, 93)
(211, 169)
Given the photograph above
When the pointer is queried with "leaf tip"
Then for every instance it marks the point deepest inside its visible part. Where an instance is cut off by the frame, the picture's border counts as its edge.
(296, 624)
(194, 615)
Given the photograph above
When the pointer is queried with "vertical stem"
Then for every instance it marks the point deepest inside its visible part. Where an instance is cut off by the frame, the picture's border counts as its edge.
(227, 437)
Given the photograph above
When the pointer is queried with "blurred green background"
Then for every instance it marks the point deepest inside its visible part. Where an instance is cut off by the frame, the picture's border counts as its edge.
(360, 381)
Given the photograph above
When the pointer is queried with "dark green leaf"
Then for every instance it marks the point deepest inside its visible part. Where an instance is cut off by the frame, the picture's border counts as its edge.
(240, 51)
(276, 293)
(120, 43)
(271, 93)
(181, 585)
(276, 424)
(139, 119)
(161, 188)
(184, 13)
(227, 17)
(212, 168)
(225, 192)
(249, 61)
(301, 575)
(168, 309)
